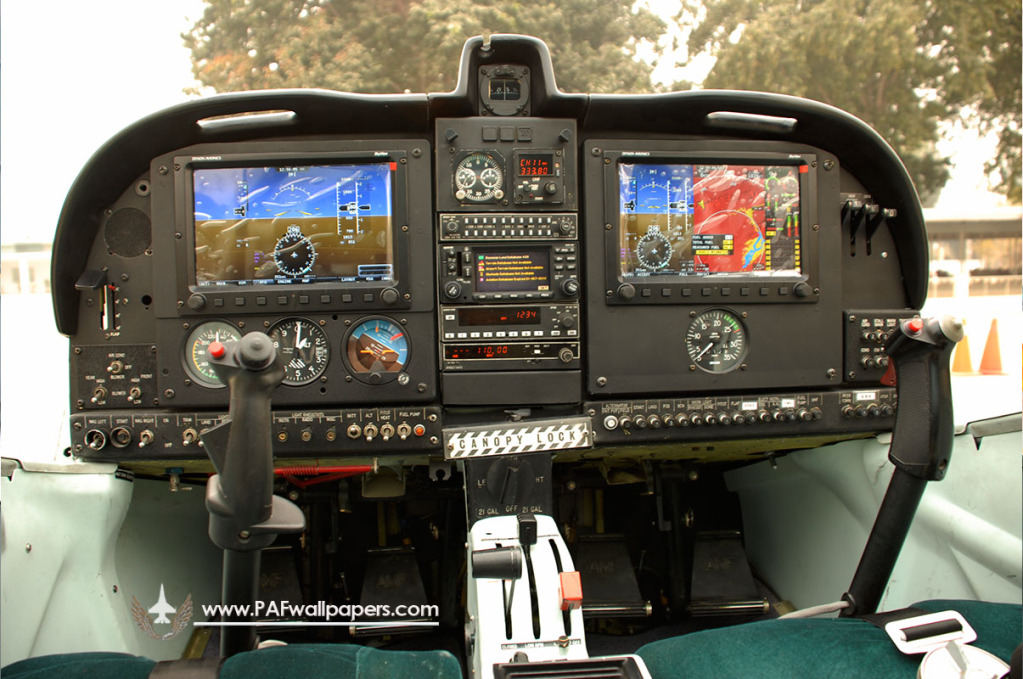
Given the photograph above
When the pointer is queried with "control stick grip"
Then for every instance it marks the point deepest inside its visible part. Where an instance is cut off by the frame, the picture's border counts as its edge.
(240, 447)
(920, 352)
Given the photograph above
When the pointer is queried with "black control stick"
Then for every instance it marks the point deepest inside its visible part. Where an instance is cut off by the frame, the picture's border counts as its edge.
(245, 515)
(921, 447)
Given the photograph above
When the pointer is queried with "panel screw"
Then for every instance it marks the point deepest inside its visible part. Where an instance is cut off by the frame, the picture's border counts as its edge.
(601, 381)
(169, 393)
(244, 535)
(163, 169)
(78, 351)
(28, 548)
(416, 153)
(829, 164)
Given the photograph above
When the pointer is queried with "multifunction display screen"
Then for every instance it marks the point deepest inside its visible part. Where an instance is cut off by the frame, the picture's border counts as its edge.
(509, 271)
(293, 224)
(679, 219)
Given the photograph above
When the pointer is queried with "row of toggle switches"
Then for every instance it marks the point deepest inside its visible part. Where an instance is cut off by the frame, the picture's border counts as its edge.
(653, 421)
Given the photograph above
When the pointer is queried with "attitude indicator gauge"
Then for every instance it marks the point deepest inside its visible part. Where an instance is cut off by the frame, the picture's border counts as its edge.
(294, 253)
(196, 358)
(377, 350)
(479, 178)
(303, 347)
(716, 341)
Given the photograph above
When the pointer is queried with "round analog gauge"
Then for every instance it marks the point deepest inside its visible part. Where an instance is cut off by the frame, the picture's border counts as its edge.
(716, 341)
(478, 178)
(465, 177)
(303, 347)
(197, 359)
(294, 253)
(377, 349)
(653, 250)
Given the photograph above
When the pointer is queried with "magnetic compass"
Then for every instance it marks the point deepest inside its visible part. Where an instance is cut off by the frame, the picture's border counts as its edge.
(303, 347)
(294, 253)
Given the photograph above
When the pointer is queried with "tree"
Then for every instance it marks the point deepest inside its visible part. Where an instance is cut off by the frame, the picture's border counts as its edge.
(379, 46)
(904, 66)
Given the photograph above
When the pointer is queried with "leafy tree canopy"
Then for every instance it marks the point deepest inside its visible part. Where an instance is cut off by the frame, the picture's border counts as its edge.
(380, 46)
(907, 67)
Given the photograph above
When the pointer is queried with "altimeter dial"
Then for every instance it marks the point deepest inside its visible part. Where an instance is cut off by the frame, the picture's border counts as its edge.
(303, 347)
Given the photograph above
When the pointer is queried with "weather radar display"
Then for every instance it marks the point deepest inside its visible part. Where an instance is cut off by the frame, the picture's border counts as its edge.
(680, 219)
(293, 224)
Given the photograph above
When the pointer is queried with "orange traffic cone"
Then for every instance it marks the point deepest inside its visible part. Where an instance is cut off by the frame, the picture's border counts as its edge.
(961, 363)
(991, 361)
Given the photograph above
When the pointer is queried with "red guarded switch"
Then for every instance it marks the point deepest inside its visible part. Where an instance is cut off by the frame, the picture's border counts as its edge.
(571, 590)
(915, 325)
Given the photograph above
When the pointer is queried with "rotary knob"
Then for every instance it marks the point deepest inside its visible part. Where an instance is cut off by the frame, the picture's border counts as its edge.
(453, 290)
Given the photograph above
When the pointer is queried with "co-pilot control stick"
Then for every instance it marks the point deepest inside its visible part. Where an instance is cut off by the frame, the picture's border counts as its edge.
(921, 447)
(245, 515)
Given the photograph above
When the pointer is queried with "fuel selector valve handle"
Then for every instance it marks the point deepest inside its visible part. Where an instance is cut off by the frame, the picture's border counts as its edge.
(920, 352)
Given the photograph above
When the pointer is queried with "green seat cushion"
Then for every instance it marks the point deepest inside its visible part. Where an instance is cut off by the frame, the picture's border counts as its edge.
(80, 666)
(338, 661)
(841, 647)
(347, 661)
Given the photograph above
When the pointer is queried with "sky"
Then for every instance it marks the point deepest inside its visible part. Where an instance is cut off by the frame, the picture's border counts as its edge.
(101, 65)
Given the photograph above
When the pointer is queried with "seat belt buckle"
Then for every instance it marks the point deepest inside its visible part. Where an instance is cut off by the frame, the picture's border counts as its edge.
(924, 633)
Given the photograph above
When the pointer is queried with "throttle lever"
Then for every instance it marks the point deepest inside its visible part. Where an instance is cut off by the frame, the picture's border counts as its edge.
(920, 352)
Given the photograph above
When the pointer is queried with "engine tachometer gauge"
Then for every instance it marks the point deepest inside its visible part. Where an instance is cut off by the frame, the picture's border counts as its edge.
(377, 350)
(479, 177)
(196, 358)
(716, 341)
(303, 347)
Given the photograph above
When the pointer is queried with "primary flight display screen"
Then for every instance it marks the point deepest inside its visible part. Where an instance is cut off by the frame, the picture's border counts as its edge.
(278, 225)
(682, 219)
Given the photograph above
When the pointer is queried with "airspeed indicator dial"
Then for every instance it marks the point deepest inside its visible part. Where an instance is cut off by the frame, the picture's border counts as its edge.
(716, 341)
(197, 359)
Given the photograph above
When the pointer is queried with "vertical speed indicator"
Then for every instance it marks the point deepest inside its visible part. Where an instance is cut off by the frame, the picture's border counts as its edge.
(716, 341)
